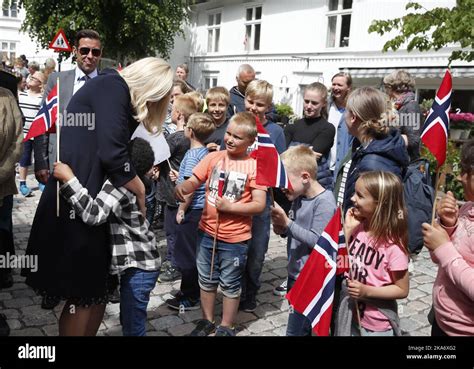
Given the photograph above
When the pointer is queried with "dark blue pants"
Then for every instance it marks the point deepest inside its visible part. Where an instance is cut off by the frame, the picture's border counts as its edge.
(170, 231)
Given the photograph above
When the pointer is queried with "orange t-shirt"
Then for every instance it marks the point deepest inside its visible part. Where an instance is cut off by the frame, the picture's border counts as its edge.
(239, 182)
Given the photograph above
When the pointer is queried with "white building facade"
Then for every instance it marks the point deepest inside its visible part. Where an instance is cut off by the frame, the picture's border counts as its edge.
(294, 43)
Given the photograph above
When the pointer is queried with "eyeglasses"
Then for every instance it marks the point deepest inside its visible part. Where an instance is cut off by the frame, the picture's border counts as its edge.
(86, 50)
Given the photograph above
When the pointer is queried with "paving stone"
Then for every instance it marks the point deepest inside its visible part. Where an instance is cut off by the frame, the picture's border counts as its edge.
(23, 293)
(16, 286)
(5, 296)
(14, 323)
(418, 306)
(268, 334)
(415, 294)
(166, 322)
(157, 334)
(112, 321)
(266, 287)
(34, 316)
(112, 309)
(243, 317)
(27, 332)
(51, 330)
(10, 313)
(409, 325)
(421, 318)
(243, 332)
(265, 310)
(259, 326)
(114, 331)
(280, 273)
(181, 330)
(191, 316)
(18, 303)
(281, 331)
(279, 320)
(422, 279)
(268, 297)
(278, 264)
(265, 277)
(427, 288)
(283, 304)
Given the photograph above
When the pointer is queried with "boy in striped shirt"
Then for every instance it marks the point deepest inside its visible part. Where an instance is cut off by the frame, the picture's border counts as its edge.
(198, 128)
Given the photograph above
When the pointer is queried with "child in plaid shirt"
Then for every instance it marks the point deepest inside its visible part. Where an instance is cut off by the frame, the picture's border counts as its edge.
(134, 251)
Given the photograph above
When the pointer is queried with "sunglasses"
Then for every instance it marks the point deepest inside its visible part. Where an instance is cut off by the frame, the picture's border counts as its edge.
(86, 50)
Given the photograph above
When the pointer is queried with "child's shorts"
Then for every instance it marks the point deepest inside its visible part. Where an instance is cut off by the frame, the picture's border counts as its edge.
(229, 265)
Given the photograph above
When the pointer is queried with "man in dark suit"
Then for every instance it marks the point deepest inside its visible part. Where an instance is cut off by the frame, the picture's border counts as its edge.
(87, 51)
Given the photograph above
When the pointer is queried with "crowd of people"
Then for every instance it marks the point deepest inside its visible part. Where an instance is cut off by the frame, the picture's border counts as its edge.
(344, 152)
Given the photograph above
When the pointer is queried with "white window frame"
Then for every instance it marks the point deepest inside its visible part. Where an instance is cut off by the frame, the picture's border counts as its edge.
(213, 30)
(210, 79)
(8, 51)
(338, 13)
(13, 8)
(249, 40)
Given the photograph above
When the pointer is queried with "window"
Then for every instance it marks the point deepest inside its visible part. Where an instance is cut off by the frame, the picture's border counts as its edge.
(209, 82)
(339, 23)
(213, 32)
(11, 11)
(7, 50)
(253, 26)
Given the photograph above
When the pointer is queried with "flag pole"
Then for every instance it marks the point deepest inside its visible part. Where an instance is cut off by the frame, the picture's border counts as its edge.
(58, 132)
(214, 246)
(438, 175)
(350, 268)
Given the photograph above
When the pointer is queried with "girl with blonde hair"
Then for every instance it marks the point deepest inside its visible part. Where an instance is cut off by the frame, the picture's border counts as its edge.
(74, 256)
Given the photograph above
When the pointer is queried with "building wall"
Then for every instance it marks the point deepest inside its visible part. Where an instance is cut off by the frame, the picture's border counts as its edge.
(293, 49)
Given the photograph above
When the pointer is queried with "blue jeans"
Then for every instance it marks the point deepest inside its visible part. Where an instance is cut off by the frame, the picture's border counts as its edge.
(258, 247)
(298, 324)
(229, 264)
(135, 287)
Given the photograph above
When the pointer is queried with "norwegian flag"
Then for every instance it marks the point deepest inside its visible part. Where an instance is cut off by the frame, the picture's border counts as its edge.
(313, 292)
(270, 169)
(435, 130)
(45, 120)
(220, 186)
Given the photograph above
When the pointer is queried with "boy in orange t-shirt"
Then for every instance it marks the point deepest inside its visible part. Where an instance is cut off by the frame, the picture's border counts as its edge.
(241, 198)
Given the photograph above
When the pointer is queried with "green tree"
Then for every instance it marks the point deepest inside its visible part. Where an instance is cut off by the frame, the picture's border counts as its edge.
(129, 28)
(432, 29)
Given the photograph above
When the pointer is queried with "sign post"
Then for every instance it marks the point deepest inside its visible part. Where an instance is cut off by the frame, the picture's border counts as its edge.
(60, 43)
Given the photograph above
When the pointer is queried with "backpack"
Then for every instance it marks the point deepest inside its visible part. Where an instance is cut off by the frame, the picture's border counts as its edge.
(419, 197)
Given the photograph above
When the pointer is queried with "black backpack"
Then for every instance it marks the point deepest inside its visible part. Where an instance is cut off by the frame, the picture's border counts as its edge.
(419, 197)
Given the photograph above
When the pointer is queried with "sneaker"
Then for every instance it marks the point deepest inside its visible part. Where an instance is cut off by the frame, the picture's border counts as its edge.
(169, 275)
(49, 302)
(41, 186)
(225, 331)
(281, 289)
(249, 305)
(165, 266)
(183, 303)
(203, 328)
(25, 190)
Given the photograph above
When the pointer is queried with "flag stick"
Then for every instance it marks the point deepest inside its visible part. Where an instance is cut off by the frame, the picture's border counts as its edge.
(58, 130)
(350, 268)
(169, 164)
(214, 246)
(438, 175)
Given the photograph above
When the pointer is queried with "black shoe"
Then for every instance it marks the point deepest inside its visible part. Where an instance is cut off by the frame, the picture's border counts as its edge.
(203, 328)
(49, 302)
(249, 305)
(6, 279)
(225, 331)
(170, 275)
(182, 303)
(114, 297)
(4, 328)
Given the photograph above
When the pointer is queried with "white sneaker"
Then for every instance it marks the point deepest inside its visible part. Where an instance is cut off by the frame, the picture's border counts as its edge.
(281, 289)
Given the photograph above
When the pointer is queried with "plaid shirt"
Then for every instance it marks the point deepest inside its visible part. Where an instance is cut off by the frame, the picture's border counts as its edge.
(133, 244)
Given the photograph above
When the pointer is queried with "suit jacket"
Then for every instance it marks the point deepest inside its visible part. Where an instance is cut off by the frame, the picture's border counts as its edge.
(44, 146)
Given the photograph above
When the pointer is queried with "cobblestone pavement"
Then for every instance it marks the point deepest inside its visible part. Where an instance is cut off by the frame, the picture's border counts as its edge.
(25, 317)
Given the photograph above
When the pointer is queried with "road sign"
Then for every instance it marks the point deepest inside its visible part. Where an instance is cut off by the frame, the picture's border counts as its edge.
(60, 42)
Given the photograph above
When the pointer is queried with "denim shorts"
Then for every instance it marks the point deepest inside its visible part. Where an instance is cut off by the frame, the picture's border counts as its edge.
(229, 265)
(25, 160)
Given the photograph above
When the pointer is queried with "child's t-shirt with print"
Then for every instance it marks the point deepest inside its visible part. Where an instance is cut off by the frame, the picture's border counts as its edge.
(371, 265)
(190, 160)
(240, 176)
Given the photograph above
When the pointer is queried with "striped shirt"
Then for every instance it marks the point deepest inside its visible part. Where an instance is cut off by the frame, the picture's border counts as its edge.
(29, 105)
(190, 160)
(342, 188)
(133, 244)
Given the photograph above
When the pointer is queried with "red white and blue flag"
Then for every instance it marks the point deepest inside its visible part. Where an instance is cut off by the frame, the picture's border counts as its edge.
(220, 185)
(270, 169)
(45, 120)
(435, 130)
(313, 292)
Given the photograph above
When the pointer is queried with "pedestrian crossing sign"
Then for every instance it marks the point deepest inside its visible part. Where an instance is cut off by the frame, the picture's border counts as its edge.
(60, 42)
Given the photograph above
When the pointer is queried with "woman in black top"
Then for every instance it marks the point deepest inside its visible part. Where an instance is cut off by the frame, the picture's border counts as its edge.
(73, 257)
(314, 130)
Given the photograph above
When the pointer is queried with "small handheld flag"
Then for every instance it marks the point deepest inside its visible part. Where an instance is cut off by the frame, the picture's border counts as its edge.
(270, 169)
(313, 292)
(45, 120)
(220, 186)
(435, 130)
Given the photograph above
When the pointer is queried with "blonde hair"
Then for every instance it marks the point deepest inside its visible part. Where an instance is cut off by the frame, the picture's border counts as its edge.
(218, 93)
(247, 120)
(301, 158)
(389, 221)
(186, 105)
(400, 81)
(150, 81)
(369, 106)
(323, 91)
(260, 89)
(198, 100)
(202, 126)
